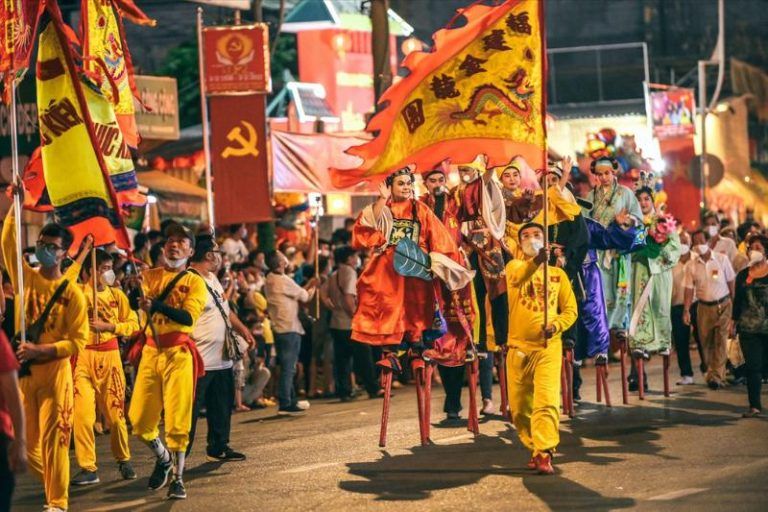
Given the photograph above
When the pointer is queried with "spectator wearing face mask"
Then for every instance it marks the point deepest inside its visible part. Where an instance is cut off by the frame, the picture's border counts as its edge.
(750, 319)
(233, 246)
(716, 241)
(681, 332)
(339, 294)
(710, 278)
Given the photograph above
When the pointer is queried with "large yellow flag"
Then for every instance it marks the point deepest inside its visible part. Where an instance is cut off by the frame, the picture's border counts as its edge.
(75, 173)
(481, 89)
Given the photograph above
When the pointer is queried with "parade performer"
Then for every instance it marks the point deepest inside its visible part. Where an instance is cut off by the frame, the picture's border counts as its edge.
(650, 328)
(482, 215)
(99, 376)
(608, 199)
(453, 350)
(396, 296)
(535, 352)
(173, 298)
(57, 329)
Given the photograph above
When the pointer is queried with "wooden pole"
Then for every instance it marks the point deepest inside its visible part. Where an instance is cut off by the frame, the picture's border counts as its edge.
(546, 247)
(95, 282)
(19, 300)
(382, 70)
(204, 116)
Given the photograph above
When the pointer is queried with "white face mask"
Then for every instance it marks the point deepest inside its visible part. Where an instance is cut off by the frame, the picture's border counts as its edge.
(176, 264)
(702, 249)
(108, 277)
(440, 191)
(531, 247)
(713, 230)
(685, 249)
(755, 257)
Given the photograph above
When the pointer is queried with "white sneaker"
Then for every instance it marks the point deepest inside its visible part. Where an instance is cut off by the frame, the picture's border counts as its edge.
(53, 509)
(303, 405)
(488, 407)
(685, 381)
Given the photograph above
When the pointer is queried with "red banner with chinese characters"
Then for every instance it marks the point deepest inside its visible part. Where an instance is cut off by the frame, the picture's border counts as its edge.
(683, 195)
(239, 159)
(236, 59)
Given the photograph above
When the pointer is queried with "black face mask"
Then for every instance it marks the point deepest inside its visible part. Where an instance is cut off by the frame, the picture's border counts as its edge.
(440, 206)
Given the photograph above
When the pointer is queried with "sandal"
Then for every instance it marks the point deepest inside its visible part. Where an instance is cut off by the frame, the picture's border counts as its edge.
(753, 413)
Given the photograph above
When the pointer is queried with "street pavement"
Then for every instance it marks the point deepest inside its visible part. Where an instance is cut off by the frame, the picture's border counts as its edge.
(691, 451)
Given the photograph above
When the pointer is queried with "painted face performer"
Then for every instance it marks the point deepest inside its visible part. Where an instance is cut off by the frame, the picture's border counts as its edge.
(535, 352)
(482, 215)
(450, 351)
(650, 327)
(396, 295)
(612, 201)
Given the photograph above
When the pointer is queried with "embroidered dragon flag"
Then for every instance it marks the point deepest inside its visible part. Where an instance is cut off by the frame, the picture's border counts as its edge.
(18, 25)
(106, 54)
(79, 138)
(480, 90)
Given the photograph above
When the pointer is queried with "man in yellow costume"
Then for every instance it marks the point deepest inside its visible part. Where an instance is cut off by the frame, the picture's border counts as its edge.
(535, 351)
(99, 377)
(173, 298)
(47, 386)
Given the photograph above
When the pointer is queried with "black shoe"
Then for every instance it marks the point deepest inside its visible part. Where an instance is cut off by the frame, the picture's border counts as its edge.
(348, 398)
(176, 490)
(228, 455)
(714, 385)
(85, 477)
(126, 470)
(601, 359)
(632, 385)
(292, 410)
(159, 476)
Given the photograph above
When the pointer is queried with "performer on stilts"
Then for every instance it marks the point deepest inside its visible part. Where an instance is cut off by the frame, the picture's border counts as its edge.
(611, 200)
(650, 328)
(454, 350)
(397, 299)
(482, 215)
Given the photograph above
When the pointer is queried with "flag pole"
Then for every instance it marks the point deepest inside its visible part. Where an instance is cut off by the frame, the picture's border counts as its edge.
(19, 302)
(546, 247)
(204, 115)
(94, 314)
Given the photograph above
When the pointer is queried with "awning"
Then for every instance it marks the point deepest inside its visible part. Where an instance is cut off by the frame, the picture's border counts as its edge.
(176, 198)
(300, 161)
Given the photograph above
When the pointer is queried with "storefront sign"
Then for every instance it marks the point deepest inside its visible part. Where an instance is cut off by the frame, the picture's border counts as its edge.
(237, 59)
(160, 121)
(241, 183)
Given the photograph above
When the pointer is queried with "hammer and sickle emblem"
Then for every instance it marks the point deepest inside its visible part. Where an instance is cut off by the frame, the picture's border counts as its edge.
(247, 146)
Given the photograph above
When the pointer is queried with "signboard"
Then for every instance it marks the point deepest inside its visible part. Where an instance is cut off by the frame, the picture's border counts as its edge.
(237, 59)
(673, 113)
(239, 156)
(160, 121)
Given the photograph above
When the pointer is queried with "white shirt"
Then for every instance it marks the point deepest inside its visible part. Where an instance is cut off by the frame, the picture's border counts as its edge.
(678, 282)
(235, 250)
(283, 297)
(210, 330)
(709, 279)
(342, 282)
(726, 246)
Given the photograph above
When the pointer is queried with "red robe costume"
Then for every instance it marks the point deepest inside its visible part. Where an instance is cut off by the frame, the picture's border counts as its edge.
(392, 308)
(451, 349)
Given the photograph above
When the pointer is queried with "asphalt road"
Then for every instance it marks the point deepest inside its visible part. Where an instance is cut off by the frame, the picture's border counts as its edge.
(691, 451)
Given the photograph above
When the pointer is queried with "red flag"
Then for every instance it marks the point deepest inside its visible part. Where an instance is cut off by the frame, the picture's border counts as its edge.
(18, 25)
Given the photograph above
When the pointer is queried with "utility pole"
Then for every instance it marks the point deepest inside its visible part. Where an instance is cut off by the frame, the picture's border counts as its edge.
(382, 70)
(258, 15)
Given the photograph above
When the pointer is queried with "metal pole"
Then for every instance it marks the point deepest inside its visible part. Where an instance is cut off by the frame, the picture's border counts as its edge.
(382, 71)
(19, 302)
(204, 116)
(704, 166)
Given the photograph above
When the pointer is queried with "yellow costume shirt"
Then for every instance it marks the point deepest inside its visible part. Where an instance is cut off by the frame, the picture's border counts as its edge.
(189, 294)
(113, 308)
(525, 288)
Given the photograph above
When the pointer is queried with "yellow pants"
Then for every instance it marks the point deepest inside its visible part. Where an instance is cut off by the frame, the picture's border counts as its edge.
(48, 397)
(533, 375)
(165, 382)
(99, 384)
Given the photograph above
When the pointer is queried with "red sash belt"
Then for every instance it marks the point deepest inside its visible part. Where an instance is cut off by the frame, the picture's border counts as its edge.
(181, 339)
(105, 346)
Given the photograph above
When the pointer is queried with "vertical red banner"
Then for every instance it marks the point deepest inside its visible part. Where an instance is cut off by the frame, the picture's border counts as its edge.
(237, 59)
(683, 196)
(240, 165)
